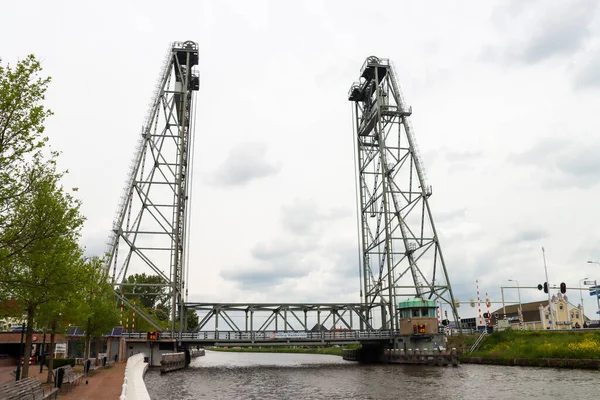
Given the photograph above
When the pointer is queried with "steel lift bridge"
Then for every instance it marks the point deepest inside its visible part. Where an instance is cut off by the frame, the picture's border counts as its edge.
(400, 253)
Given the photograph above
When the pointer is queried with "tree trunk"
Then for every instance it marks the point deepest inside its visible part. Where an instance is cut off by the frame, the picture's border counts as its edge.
(86, 352)
(97, 348)
(28, 335)
(50, 378)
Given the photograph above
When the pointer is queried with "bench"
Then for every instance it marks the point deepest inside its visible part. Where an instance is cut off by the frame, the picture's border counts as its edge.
(91, 367)
(27, 388)
(70, 377)
(106, 363)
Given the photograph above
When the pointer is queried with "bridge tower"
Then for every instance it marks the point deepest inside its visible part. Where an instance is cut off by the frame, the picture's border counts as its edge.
(400, 250)
(150, 229)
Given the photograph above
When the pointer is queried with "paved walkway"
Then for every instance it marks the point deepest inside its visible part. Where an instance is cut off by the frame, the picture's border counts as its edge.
(103, 384)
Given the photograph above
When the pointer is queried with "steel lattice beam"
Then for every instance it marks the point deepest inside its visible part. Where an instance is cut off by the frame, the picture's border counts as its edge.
(332, 315)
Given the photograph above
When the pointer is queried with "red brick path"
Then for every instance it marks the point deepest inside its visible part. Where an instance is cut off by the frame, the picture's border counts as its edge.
(103, 384)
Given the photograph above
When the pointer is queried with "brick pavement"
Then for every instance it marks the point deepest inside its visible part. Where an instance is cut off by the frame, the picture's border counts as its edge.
(102, 384)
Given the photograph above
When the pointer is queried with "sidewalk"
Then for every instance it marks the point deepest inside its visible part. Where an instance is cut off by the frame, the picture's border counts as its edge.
(103, 384)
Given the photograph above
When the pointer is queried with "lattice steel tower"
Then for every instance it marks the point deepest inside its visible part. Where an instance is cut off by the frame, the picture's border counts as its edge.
(150, 231)
(400, 251)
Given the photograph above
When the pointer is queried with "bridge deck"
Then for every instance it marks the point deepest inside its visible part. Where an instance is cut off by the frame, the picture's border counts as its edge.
(272, 337)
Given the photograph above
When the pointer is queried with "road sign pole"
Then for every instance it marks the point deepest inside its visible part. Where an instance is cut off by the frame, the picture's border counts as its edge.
(597, 298)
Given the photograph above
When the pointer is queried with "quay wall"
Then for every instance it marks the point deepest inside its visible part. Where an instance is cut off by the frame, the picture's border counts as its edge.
(536, 362)
(134, 387)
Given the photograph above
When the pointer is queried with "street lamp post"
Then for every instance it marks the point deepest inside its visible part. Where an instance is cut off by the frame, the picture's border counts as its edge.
(581, 297)
(520, 305)
(550, 310)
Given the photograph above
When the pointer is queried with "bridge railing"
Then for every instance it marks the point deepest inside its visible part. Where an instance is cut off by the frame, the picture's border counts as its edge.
(245, 336)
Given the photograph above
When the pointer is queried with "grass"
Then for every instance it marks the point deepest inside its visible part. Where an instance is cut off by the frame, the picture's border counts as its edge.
(571, 344)
(334, 351)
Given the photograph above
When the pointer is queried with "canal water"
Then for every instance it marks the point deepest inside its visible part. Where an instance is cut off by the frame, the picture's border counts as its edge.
(220, 375)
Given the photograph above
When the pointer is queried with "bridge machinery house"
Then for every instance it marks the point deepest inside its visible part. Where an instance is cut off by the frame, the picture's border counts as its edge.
(419, 327)
(538, 315)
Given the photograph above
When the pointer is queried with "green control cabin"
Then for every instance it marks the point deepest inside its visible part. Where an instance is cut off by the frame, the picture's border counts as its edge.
(418, 317)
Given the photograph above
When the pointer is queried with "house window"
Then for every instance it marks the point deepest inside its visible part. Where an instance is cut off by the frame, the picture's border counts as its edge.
(572, 315)
(415, 313)
(576, 315)
(561, 306)
(546, 316)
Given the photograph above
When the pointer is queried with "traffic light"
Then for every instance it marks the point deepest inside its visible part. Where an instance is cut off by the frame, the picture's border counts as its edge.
(422, 328)
(486, 315)
(540, 287)
(545, 287)
(152, 335)
(563, 288)
(415, 331)
(445, 322)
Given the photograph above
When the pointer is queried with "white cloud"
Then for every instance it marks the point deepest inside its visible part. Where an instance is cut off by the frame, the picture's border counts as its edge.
(244, 163)
(273, 211)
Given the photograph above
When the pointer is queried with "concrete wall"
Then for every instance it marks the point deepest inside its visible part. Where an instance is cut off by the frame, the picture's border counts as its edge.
(153, 352)
(134, 387)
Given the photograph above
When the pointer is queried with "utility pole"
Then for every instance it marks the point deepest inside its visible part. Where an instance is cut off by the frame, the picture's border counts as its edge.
(548, 283)
(503, 305)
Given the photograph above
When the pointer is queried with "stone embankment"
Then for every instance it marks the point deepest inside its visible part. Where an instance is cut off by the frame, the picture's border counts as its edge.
(536, 362)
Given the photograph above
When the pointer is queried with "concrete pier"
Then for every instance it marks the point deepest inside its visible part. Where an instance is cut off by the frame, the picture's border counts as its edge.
(396, 356)
(172, 361)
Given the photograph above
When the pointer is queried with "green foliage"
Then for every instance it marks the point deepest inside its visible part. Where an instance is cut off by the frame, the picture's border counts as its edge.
(192, 320)
(98, 301)
(572, 344)
(151, 294)
(61, 362)
(22, 119)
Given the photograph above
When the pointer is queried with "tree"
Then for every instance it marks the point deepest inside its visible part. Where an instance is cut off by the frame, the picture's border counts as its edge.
(148, 290)
(100, 313)
(150, 294)
(192, 320)
(47, 269)
(55, 316)
(22, 119)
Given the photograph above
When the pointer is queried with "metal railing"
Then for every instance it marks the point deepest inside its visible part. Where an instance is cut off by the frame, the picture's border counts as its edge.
(478, 341)
(244, 336)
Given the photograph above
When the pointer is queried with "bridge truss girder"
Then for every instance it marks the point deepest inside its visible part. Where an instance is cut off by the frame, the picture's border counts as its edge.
(292, 316)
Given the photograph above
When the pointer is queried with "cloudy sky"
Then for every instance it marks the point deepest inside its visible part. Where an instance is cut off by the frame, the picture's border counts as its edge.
(504, 97)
